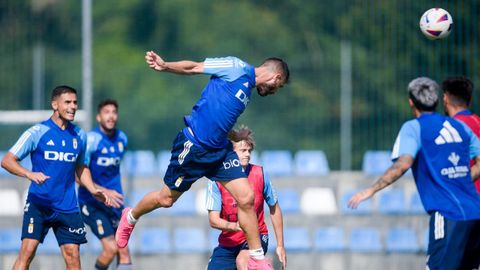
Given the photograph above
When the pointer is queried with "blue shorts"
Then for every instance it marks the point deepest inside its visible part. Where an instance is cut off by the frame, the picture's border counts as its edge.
(189, 162)
(224, 258)
(37, 220)
(102, 220)
(453, 244)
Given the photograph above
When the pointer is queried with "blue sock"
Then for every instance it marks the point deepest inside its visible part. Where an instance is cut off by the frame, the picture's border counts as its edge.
(100, 267)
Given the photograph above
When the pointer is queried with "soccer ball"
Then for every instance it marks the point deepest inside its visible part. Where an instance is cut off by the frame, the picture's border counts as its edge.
(436, 23)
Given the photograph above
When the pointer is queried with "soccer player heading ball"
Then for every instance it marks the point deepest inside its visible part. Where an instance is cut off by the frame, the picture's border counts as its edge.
(202, 147)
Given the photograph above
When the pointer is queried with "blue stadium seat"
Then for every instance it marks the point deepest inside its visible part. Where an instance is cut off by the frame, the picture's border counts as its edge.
(365, 207)
(184, 206)
(277, 162)
(94, 246)
(297, 239)
(10, 239)
(155, 241)
(49, 245)
(365, 240)
(311, 163)
(376, 162)
(190, 240)
(392, 202)
(401, 240)
(331, 239)
(163, 159)
(425, 238)
(140, 163)
(289, 200)
(416, 206)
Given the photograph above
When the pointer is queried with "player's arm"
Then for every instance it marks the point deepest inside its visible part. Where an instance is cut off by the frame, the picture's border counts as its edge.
(277, 222)
(475, 169)
(401, 165)
(85, 180)
(11, 163)
(217, 222)
(404, 151)
(184, 67)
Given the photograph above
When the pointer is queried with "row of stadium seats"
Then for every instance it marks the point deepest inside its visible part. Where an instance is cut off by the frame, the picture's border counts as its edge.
(184, 240)
(144, 163)
(310, 201)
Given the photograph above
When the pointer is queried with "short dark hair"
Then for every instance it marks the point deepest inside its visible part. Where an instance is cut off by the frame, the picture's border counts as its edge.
(106, 102)
(62, 89)
(279, 65)
(459, 88)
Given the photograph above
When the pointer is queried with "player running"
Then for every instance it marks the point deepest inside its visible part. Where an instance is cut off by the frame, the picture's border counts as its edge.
(57, 150)
(105, 148)
(202, 148)
(232, 251)
(438, 149)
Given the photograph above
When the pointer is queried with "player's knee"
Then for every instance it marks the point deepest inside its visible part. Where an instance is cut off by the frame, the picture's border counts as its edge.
(110, 249)
(71, 253)
(163, 200)
(246, 200)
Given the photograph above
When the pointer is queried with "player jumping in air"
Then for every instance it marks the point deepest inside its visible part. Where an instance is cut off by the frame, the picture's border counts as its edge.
(202, 147)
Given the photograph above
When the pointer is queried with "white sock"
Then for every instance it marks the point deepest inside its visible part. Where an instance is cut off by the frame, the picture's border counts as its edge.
(257, 253)
(130, 218)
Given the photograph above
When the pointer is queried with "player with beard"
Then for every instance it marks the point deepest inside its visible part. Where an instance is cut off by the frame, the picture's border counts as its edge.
(105, 149)
(202, 147)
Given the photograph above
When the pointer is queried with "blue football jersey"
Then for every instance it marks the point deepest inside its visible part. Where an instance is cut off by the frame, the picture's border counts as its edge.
(223, 100)
(103, 157)
(442, 148)
(56, 153)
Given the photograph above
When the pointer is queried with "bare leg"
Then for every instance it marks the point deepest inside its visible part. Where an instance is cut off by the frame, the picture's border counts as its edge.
(71, 255)
(26, 254)
(164, 198)
(109, 251)
(242, 260)
(247, 217)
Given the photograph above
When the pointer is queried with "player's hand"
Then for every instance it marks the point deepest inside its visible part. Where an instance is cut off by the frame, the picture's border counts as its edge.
(100, 195)
(37, 177)
(116, 197)
(154, 61)
(358, 197)
(234, 227)
(282, 256)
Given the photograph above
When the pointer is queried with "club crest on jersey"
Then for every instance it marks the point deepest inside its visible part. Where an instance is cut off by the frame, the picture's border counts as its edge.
(75, 143)
(179, 181)
(120, 146)
(30, 226)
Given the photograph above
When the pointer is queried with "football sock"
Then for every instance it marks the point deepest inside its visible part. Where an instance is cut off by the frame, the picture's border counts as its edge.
(257, 253)
(100, 267)
(130, 218)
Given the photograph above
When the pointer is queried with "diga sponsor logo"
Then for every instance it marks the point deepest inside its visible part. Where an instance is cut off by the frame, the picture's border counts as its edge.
(60, 156)
(108, 161)
(231, 163)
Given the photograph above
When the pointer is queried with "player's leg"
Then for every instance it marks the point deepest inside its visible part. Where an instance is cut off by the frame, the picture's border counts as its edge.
(124, 259)
(26, 254)
(153, 200)
(244, 256)
(471, 257)
(247, 217)
(34, 230)
(223, 258)
(71, 255)
(447, 242)
(109, 251)
(70, 232)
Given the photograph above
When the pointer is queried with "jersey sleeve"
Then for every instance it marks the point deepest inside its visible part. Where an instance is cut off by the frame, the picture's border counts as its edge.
(227, 68)
(213, 197)
(82, 160)
(408, 140)
(28, 141)
(269, 193)
(474, 141)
